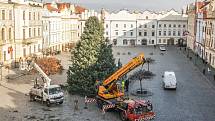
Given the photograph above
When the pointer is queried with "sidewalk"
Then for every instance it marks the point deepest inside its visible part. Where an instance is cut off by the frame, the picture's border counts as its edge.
(198, 62)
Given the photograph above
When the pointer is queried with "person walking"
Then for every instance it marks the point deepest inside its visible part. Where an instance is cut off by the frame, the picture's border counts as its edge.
(126, 85)
(123, 85)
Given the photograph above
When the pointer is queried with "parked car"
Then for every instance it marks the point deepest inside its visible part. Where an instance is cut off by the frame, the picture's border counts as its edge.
(169, 80)
(162, 48)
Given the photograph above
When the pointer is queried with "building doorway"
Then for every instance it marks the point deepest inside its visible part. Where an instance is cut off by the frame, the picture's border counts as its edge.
(144, 42)
(132, 42)
(170, 41)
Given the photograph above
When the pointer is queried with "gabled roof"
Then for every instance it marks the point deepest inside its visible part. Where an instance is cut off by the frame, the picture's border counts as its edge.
(79, 9)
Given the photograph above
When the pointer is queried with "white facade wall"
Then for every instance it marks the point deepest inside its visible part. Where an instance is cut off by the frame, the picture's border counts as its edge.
(145, 27)
(60, 29)
(200, 35)
(28, 29)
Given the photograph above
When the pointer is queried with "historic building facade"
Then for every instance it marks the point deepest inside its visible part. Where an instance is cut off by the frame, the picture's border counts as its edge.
(148, 28)
(60, 26)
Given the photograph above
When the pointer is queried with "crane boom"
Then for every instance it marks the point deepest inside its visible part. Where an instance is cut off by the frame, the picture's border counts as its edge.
(108, 89)
(43, 74)
(136, 61)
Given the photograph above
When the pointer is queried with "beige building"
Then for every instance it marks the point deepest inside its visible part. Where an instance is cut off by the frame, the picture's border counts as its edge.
(60, 25)
(210, 33)
(191, 26)
(6, 31)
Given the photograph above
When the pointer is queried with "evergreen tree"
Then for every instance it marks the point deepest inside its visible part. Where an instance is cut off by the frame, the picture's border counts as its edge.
(92, 59)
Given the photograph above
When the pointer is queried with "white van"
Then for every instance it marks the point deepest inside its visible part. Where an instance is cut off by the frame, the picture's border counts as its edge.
(169, 80)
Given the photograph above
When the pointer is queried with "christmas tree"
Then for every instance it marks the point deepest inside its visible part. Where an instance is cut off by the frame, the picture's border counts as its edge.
(92, 59)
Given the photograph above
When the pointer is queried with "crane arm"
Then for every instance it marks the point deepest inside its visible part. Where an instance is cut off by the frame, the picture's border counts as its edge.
(136, 61)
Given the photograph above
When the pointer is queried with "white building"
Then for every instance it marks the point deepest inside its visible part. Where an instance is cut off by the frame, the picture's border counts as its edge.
(148, 28)
(60, 26)
(200, 34)
(28, 28)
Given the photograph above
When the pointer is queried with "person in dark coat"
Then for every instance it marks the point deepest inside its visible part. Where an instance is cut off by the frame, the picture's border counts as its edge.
(126, 85)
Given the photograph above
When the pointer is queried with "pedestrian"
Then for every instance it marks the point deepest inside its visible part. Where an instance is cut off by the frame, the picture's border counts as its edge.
(126, 85)
(204, 71)
(123, 86)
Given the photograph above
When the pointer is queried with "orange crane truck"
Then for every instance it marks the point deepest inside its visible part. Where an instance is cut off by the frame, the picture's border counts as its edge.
(109, 93)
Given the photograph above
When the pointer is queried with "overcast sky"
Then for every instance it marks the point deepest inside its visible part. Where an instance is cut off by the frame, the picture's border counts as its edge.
(113, 5)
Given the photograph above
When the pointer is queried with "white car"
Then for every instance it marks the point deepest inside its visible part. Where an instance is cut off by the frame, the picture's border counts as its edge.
(169, 80)
(162, 48)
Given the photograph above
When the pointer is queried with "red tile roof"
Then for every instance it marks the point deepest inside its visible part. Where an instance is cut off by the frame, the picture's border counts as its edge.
(60, 6)
(79, 9)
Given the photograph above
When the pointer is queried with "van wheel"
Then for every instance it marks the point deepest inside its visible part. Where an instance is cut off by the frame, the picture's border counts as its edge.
(61, 102)
(48, 103)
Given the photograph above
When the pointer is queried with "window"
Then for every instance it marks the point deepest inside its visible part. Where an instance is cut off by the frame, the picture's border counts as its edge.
(179, 33)
(114, 41)
(131, 33)
(164, 25)
(116, 25)
(106, 33)
(3, 34)
(124, 25)
(164, 40)
(153, 41)
(160, 25)
(170, 25)
(38, 31)
(131, 25)
(34, 16)
(23, 31)
(164, 33)
(29, 15)
(153, 33)
(10, 34)
(174, 25)
(159, 33)
(10, 15)
(179, 25)
(34, 32)
(24, 52)
(5, 55)
(116, 33)
(145, 26)
(153, 26)
(124, 33)
(38, 16)
(125, 42)
(23, 16)
(147, 17)
(173, 33)
(145, 33)
(38, 48)
(159, 41)
(3, 14)
(29, 50)
(140, 33)
(169, 33)
(29, 32)
(34, 48)
(106, 25)
(184, 26)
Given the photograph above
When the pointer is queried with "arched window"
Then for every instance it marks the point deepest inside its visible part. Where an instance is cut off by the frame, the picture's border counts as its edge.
(114, 41)
(125, 42)
(3, 34)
